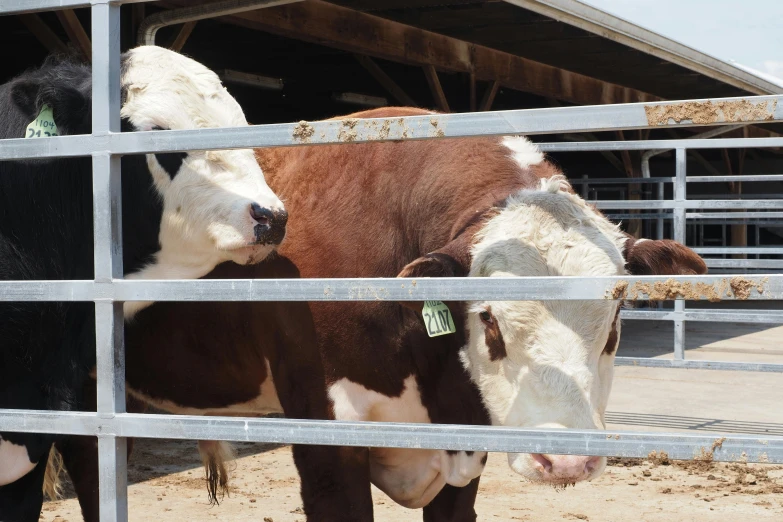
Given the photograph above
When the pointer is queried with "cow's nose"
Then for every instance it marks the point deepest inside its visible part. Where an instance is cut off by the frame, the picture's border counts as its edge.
(564, 468)
(270, 225)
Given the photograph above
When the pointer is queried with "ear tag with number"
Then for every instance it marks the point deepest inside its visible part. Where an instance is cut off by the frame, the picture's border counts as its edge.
(437, 318)
(43, 126)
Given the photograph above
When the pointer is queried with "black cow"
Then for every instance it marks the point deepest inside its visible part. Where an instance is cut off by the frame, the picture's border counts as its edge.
(180, 220)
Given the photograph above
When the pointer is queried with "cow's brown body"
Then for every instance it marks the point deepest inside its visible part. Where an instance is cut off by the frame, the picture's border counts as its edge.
(362, 210)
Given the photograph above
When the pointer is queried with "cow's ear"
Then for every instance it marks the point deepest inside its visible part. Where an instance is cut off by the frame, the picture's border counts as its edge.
(453, 260)
(71, 108)
(661, 257)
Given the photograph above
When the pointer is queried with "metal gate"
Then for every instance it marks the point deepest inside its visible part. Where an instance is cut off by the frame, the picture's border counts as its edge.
(108, 290)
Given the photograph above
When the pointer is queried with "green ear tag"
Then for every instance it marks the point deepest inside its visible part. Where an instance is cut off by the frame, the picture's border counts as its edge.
(437, 318)
(43, 126)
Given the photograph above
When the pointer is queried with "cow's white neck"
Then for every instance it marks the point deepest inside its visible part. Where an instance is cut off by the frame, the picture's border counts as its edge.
(169, 265)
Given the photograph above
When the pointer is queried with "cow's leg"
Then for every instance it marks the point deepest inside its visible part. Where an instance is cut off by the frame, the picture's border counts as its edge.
(22, 500)
(335, 480)
(80, 457)
(335, 483)
(453, 504)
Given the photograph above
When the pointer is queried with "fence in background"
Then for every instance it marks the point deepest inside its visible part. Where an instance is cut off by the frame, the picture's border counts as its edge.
(108, 290)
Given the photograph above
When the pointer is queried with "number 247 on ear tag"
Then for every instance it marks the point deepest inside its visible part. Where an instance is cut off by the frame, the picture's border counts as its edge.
(437, 318)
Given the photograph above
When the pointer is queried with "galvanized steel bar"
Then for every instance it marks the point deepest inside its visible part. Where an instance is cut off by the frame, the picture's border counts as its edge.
(771, 264)
(707, 315)
(8, 7)
(599, 146)
(649, 362)
(764, 250)
(670, 179)
(679, 232)
(683, 446)
(695, 203)
(107, 238)
(762, 287)
(726, 215)
(497, 123)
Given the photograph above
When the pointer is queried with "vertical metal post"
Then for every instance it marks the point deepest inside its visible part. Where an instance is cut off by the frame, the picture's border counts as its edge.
(678, 231)
(585, 187)
(107, 238)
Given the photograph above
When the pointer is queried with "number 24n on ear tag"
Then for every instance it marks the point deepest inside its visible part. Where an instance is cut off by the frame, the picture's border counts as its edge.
(437, 318)
(43, 126)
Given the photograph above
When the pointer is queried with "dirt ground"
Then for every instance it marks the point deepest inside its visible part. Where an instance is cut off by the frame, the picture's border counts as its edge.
(167, 484)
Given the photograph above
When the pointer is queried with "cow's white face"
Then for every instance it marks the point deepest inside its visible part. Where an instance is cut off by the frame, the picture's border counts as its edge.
(216, 204)
(545, 364)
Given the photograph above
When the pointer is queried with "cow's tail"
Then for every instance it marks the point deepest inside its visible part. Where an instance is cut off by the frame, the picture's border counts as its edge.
(52, 487)
(217, 457)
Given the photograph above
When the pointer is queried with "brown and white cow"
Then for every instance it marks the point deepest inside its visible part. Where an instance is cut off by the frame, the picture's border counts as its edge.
(486, 207)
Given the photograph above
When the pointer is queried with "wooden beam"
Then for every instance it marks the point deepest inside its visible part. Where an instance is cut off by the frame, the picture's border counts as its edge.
(43, 33)
(182, 37)
(338, 27)
(75, 31)
(385, 80)
(489, 96)
(436, 89)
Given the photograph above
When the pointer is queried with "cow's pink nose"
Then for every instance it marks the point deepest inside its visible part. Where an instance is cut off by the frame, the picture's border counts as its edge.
(564, 468)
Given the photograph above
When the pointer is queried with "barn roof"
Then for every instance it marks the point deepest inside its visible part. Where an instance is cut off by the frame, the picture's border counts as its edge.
(572, 35)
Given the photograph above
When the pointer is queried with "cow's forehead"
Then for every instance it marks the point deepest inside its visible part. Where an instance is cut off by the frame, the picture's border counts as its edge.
(547, 232)
(165, 89)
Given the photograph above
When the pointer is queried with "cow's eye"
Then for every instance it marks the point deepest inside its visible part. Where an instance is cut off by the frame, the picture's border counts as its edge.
(486, 317)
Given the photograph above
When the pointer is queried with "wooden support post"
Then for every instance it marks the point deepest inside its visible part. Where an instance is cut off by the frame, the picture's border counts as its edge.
(635, 189)
(489, 96)
(43, 33)
(739, 233)
(436, 89)
(182, 37)
(472, 80)
(75, 31)
(385, 80)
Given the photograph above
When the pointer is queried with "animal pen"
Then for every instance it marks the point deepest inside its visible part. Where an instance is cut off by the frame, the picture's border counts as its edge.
(108, 290)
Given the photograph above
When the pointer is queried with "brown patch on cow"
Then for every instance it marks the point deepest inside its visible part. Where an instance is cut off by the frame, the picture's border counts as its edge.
(661, 257)
(611, 341)
(494, 338)
(711, 112)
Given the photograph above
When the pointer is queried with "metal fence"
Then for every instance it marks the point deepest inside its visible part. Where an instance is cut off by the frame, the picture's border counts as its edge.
(108, 290)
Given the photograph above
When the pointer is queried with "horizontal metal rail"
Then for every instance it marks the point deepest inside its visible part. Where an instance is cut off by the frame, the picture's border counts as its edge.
(727, 215)
(8, 7)
(763, 250)
(678, 446)
(691, 203)
(775, 264)
(670, 179)
(601, 146)
(756, 287)
(690, 364)
(707, 315)
(496, 123)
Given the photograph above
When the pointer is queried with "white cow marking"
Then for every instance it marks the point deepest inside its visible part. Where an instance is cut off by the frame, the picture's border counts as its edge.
(554, 372)
(411, 478)
(14, 462)
(206, 218)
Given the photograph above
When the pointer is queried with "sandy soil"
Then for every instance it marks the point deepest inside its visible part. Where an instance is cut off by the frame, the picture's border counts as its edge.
(167, 484)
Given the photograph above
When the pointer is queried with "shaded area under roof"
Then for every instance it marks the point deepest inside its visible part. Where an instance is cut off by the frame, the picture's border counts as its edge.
(520, 31)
